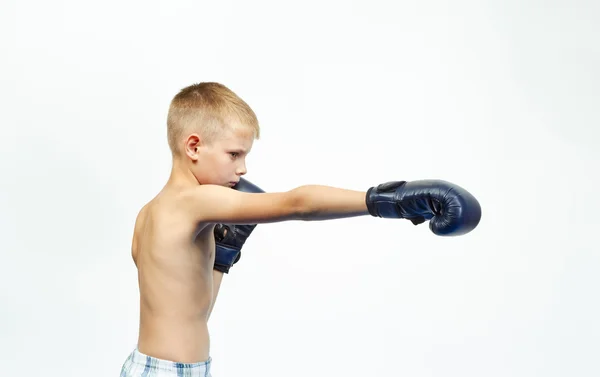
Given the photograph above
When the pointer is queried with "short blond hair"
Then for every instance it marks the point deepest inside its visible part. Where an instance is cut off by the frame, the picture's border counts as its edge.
(208, 108)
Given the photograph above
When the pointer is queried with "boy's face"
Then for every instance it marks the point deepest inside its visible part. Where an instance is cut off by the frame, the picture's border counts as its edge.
(223, 161)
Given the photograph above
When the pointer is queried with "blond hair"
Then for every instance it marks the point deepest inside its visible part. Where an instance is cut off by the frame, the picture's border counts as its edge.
(208, 108)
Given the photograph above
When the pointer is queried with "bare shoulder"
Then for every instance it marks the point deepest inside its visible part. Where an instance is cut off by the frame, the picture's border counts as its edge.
(140, 223)
(141, 217)
(218, 204)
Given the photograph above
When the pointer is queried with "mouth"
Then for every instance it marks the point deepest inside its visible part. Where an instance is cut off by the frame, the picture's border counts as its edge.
(232, 184)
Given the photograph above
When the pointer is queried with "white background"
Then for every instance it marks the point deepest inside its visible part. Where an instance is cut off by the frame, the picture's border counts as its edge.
(500, 97)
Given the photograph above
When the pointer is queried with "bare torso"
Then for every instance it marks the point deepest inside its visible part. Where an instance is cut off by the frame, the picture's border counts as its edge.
(174, 258)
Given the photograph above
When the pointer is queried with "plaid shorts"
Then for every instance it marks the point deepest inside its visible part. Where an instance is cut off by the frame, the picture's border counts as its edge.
(140, 365)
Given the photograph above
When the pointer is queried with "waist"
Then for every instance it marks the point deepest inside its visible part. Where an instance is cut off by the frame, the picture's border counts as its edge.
(177, 340)
(139, 363)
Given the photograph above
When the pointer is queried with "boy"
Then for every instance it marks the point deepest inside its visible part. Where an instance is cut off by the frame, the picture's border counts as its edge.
(210, 132)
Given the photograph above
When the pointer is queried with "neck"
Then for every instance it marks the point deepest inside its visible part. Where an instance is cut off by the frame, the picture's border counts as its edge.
(181, 175)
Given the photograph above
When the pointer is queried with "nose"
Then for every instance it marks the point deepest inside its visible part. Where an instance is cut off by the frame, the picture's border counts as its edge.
(241, 170)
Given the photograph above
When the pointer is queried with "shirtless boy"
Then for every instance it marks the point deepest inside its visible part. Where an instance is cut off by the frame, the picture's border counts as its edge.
(192, 231)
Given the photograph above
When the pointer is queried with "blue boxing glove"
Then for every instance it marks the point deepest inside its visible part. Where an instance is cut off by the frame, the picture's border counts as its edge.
(229, 238)
(452, 210)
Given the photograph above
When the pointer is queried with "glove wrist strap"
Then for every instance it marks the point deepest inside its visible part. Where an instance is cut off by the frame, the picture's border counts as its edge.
(226, 257)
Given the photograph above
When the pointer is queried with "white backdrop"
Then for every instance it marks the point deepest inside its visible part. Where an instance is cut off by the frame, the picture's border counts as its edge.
(500, 97)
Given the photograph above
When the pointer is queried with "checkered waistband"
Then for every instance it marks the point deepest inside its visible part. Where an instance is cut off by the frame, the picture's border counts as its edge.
(139, 364)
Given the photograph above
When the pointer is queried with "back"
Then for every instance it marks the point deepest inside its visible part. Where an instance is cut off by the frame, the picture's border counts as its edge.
(174, 258)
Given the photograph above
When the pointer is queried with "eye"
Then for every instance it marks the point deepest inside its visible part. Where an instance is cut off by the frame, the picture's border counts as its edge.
(234, 154)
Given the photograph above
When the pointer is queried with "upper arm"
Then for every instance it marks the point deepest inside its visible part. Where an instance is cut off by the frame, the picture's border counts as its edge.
(217, 204)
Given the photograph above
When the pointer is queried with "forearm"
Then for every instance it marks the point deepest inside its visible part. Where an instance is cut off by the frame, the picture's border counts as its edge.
(324, 202)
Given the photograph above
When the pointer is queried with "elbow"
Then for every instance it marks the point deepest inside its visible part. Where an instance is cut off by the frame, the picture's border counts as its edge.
(300, 204)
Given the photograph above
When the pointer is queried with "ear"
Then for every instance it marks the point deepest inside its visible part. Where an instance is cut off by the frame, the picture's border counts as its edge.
(192, 146)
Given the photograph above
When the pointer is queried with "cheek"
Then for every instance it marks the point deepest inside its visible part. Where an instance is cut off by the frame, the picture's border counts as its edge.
(222, 159)
(227, 163)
